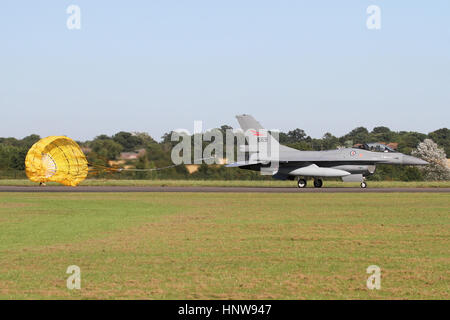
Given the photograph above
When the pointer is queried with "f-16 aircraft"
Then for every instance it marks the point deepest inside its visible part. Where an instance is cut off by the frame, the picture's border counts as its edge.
(349, 164)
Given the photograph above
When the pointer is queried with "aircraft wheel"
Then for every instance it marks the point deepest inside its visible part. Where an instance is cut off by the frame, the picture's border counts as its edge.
(363, 185)
(318, 183)
(301, 183)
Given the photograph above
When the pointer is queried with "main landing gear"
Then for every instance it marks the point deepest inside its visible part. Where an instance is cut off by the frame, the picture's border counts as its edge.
(317, 183)
(301, 183)
(363, 185)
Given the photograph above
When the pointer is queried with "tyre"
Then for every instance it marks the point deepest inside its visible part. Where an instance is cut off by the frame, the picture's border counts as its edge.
(301, 183)
(318, 183)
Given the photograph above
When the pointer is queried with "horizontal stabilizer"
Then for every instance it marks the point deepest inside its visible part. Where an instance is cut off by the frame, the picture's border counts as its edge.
(241, 164)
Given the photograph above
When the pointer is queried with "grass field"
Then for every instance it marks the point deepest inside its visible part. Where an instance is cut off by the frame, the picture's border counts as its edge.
(237, 183)
(222, 246)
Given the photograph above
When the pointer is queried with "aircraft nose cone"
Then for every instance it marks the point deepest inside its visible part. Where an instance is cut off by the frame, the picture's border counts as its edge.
(413, 161)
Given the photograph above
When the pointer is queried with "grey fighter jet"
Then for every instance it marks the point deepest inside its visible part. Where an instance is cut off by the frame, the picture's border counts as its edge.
(349, 164)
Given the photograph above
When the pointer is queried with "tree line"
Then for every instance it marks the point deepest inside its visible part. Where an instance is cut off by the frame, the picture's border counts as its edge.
(103, 149)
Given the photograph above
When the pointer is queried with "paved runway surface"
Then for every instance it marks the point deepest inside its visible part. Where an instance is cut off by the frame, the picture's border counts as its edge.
(217, 189)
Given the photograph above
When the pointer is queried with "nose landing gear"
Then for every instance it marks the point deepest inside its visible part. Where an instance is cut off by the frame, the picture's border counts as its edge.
(363, 185)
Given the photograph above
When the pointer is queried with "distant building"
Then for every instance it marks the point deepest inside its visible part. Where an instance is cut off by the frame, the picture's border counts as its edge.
(393, 145)
(116, 163)
(221, 160)
(133, 155)
(191, 168)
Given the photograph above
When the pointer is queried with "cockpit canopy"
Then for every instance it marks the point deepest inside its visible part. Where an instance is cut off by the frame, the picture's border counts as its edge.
(377, 147)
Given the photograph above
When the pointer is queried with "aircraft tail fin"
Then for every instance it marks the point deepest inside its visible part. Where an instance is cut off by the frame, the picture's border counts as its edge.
(247, 122)
(259, 135)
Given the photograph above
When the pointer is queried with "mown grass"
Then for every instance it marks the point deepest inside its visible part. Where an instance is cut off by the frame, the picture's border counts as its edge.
(237, 183)
(224, 246)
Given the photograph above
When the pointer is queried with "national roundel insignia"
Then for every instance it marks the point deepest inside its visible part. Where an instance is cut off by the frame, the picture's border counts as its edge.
(353, 153)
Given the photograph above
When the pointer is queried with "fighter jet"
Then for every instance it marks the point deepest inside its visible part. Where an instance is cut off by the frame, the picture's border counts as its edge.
(349, 164)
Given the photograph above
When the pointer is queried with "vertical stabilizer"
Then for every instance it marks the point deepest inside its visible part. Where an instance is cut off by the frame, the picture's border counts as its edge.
(260, 141)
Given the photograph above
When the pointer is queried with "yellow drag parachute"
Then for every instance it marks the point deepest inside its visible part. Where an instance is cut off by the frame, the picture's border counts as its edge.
(58, 159)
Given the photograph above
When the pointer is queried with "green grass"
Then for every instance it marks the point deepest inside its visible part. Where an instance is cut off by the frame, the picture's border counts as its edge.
(237, 183)
(224, 246)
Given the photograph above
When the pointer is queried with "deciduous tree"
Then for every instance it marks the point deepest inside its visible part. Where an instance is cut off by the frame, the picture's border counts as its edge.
(437, 168)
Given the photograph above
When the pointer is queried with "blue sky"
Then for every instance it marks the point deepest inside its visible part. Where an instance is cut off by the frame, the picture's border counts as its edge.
(154, 66)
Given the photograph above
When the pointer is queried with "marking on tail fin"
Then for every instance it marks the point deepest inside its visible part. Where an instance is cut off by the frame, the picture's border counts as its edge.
(257, 133)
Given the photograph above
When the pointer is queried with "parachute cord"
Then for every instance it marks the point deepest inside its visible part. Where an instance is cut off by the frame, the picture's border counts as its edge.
(152, 169)
(98, 168)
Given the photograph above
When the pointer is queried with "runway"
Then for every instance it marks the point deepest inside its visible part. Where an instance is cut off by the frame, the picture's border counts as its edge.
(217, 189)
